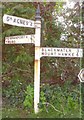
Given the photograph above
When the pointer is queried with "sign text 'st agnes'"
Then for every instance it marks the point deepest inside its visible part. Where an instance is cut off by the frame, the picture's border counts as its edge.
(17, 21)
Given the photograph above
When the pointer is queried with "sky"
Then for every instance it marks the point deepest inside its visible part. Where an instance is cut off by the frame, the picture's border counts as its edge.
(69, 4)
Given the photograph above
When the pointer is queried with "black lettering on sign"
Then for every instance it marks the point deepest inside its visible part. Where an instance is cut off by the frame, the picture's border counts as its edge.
(42, 49)
(26, 22)
(48, 49)
(69, 50)
(59, 53)
(30, 23)
(42, 53)
(62, 53)
(14, 20)
(31, 39)
(72, 54)
(65, 54)
(51, 53)
(77, 54)
(54, 49)
(20, 21)
(61, 50)
(23, 22)
(26, 36)
(17, 20)
(69, 54)
(58, 50)
(9, 18)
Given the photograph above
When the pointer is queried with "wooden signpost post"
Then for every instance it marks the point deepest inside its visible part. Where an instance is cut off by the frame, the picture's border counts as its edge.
(39, 51)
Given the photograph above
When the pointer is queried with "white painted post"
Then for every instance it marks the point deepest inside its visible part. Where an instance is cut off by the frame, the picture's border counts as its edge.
(37, 61)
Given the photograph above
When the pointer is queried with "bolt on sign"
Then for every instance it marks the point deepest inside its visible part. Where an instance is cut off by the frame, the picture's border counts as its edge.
(39, 51)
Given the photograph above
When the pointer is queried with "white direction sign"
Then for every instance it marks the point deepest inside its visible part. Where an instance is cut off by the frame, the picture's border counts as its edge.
(18, 21)
(22, 39)
(61, 52)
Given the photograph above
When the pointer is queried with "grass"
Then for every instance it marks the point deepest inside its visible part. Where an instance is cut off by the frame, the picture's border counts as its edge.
(20, 113)
(14, 113)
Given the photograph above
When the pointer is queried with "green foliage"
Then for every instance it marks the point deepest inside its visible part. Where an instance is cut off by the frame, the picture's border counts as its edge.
(14, 93)
(29, 97)
(28, 102)
(63, 100)
(59, 6)
(24, 57)
(55, 102)
(42, 101)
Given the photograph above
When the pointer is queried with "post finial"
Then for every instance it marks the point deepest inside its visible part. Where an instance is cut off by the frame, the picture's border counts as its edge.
(38, 17)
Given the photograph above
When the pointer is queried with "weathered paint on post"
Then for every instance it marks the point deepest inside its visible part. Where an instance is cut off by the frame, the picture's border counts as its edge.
(37, 61)
(36, 85)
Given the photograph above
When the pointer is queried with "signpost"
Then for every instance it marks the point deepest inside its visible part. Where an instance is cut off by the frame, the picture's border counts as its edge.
(39, 51)
(22, 39)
